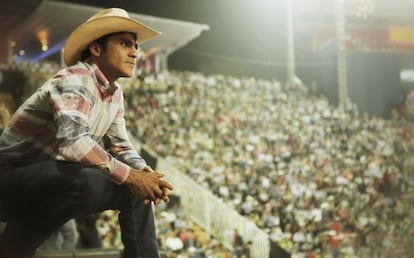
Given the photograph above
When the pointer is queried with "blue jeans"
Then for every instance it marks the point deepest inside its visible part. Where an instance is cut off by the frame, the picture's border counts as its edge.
(38, 198)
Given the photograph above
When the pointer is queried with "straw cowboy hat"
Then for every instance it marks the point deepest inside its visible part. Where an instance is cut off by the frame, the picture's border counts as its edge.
(104, 22)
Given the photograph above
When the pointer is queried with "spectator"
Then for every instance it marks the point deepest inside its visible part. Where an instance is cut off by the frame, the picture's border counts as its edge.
(88, 232)
(65, 238)
(238, 244)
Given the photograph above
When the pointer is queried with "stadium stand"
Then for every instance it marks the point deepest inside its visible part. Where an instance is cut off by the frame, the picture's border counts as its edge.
(316, 180)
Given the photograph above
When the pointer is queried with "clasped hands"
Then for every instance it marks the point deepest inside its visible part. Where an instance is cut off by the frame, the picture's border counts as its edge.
(148, 185)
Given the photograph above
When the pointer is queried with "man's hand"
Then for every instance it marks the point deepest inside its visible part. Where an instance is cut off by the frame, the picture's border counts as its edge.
(165, 190)
(148, 185)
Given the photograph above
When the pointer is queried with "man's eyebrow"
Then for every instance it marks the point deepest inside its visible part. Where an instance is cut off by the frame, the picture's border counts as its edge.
(125, 39)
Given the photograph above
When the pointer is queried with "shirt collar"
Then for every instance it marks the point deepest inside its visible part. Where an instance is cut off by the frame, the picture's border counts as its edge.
(100, 80)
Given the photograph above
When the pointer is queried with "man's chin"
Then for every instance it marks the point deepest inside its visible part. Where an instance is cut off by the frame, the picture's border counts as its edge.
(126, 75)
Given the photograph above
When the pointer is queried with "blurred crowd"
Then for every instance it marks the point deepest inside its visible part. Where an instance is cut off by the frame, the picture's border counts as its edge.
(323, 182)
(319, 180)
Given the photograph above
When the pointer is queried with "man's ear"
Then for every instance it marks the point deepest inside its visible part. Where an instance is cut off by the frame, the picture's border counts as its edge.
(95, 49)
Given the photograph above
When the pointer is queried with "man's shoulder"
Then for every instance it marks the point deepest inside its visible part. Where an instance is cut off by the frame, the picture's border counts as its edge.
(78, 74)
(78, 70)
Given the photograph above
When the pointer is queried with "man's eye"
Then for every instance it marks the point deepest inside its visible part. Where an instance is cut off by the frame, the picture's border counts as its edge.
(125, 43)
(128, 44)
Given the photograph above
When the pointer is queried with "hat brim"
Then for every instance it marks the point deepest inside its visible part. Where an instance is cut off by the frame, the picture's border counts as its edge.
(86, 33)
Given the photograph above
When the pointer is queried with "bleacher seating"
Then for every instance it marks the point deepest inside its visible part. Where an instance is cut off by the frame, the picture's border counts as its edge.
(284, 158)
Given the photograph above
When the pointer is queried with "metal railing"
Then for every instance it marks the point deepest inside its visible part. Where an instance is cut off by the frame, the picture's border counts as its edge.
(212, 214)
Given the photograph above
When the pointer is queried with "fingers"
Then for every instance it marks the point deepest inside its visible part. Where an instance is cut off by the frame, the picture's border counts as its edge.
(148, 169)
(162, 183)
(164, 197)
(157, 190)
(154, 194)
(151, 196)
(158, 174)
(157, 200)
(165, 184)
(165, 191)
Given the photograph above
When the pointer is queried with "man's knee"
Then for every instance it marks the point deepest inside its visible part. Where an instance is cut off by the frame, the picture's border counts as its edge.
(96, 190)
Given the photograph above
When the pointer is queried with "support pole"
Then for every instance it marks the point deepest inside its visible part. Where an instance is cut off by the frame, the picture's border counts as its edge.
(343, 98)
(290, 76)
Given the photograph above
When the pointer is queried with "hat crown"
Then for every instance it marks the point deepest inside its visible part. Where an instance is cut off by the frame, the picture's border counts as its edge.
(111, 12)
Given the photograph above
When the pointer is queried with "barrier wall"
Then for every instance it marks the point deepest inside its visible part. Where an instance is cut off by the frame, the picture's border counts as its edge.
(207, 210)
(212, 214)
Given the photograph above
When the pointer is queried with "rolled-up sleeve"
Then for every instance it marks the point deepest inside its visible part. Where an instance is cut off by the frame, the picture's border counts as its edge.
(120, 145)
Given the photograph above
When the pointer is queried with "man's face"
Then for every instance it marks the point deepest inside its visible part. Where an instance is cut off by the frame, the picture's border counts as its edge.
(119, 58)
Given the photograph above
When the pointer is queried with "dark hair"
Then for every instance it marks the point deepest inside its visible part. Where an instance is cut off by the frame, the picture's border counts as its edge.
(102, 41)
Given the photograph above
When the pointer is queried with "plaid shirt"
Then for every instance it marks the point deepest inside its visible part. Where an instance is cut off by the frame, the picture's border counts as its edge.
(67, 118)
